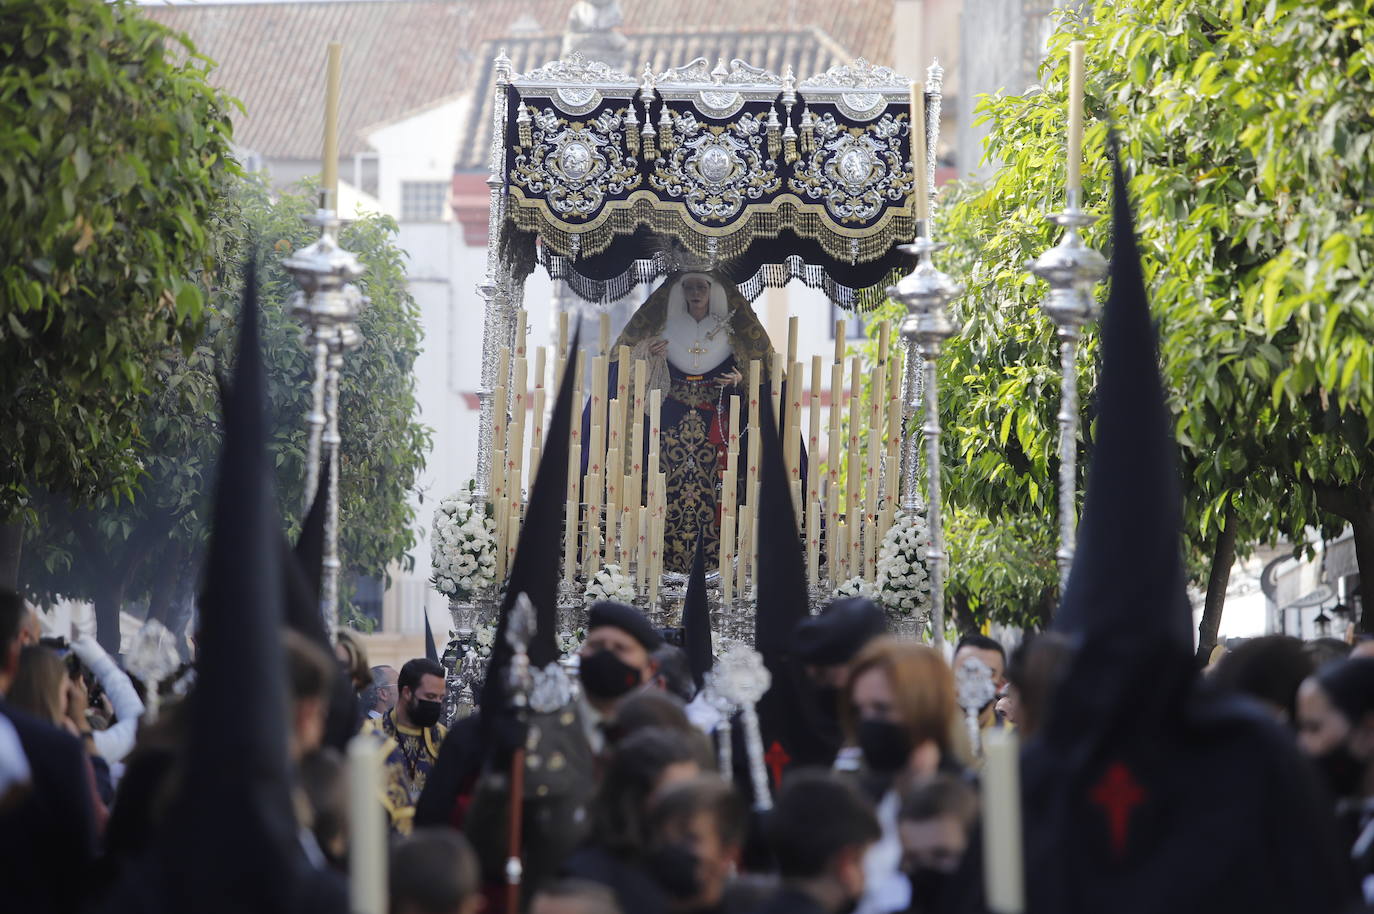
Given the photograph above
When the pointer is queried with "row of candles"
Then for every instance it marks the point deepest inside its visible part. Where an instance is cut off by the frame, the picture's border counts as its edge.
(618, 508)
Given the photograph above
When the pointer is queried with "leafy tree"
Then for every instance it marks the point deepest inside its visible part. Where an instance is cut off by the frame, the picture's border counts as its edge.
(112, 150)
(148, 547)
(1246, 130)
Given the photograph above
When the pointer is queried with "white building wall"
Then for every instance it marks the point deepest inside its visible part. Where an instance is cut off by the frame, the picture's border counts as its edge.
(418, 148)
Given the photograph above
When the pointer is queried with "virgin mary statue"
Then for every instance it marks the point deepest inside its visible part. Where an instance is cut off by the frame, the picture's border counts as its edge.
(697, 335)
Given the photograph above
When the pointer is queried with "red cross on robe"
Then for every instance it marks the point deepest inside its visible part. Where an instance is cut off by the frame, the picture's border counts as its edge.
(776, 758)
(1118, 793)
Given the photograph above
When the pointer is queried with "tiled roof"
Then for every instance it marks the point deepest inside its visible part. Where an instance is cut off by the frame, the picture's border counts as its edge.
(809, 51)
(400, 55)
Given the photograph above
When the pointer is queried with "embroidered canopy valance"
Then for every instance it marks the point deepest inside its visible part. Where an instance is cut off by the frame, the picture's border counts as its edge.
(734, 167)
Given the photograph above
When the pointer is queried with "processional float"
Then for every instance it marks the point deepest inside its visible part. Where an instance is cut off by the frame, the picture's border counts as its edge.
(821, 180)
(780, 178)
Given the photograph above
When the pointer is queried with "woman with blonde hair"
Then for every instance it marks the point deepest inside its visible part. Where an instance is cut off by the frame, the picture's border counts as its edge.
(899, 708)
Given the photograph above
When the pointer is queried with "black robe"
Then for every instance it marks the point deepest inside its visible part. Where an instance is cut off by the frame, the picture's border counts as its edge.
(48, 839)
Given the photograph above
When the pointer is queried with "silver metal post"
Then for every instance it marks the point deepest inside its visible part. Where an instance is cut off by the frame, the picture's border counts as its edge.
(1071, 269)
(328, 304)
(911, 455)
(925, 292)
(316, 418)
(329, 580)
(496, 324)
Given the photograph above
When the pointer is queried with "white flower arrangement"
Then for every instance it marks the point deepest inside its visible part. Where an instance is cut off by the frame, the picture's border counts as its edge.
(570, 642)
(610, 583)
(463, 550)
(903, 583)
(483, 638)
(856, 587)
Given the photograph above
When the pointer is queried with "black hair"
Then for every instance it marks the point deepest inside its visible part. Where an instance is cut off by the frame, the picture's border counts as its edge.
(943, 795)
(675, 670)
(709, 793)
(1269, 668)
(982, 643)
(1350, 686)
(414, 671)
(618, 812)
(12, 612)
(816, 816)
(433, 871)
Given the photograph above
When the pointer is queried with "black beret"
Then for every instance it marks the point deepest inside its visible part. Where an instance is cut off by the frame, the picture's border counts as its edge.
(841, 630)
(627, 619)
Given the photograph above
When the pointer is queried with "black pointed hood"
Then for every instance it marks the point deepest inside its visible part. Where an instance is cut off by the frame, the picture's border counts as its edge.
(534, 570)
(1140, 770)
(1125, 601)
(310, 544)
(231, 826)
(1133, 477)
(696, 619)
(783, 602)
(303, 568)
(431, 652)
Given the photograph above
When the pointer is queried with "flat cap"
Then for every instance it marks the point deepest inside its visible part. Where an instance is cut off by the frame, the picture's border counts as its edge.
(841, 630)
(627, 619)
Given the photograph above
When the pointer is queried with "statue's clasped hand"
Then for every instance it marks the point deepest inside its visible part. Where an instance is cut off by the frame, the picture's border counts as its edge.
(731, 378)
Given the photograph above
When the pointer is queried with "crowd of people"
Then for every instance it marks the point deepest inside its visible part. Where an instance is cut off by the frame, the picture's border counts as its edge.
(653, 825)
(1145, 785)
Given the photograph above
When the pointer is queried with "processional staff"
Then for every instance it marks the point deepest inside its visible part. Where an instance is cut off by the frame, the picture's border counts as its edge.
(925, 292)
(328, 304)
(519, 633)
(1071, 269)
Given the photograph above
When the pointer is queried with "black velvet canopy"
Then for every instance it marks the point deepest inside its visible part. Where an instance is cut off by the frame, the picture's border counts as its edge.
(736, 170)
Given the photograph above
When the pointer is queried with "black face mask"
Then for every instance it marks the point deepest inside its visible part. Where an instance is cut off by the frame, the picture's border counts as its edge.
(425, 714)
(886, 746)
(605, 676)
(674, 868)
(1341, 771)
(927, 888)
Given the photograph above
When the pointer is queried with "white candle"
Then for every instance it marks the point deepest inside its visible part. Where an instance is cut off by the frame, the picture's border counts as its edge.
(813, 540)
(1003, 880)
(642, 556)
(727, 558)
(634, 495)
(918, 154)
(591, 544)
(333, 74)
(813, 437)
(367, 851)
(1076, 50)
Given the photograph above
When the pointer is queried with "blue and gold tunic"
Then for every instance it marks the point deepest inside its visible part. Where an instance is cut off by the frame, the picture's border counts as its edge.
(409, 757)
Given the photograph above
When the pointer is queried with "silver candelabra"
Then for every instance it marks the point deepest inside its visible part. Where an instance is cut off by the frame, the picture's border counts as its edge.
(328, 305)
(925, 292)
(1072, 269)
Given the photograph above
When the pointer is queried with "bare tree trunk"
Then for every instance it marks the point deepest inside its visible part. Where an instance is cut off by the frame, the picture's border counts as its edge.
(1356, 506)
(163, 591)
(107, 606)
(1223, 557)
(11, 548)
